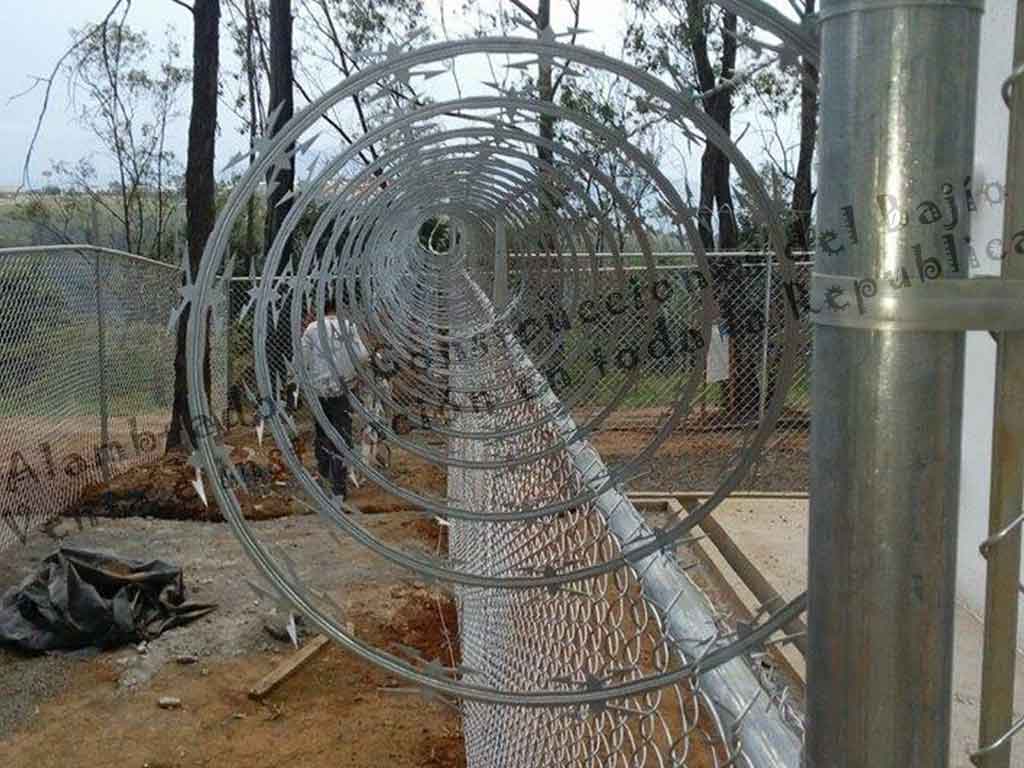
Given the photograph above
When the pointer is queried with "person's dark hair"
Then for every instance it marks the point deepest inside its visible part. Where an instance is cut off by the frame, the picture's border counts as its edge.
(330, 306)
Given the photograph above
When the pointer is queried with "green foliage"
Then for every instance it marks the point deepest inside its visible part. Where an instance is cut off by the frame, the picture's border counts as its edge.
(435, 235)
(361, 25)
(30, 300)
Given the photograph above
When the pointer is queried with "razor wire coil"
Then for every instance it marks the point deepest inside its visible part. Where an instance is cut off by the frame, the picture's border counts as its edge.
(527, 514)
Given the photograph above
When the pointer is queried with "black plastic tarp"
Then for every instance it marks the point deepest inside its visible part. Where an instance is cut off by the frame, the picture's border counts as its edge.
(80, 598)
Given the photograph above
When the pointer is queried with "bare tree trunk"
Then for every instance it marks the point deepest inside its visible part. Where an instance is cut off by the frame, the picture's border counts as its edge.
(111, 68)
(546, 92)
(736, 300)
(282, 107)
(200, 190)
(547, 195)
(742, 298)
(799, 232)
(803, 195)
(706, 211)
(283, 103)
(715, 166)
(251, 80)
(160, 195)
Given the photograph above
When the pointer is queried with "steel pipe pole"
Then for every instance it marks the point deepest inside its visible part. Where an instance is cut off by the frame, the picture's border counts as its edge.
(500, 264)
(898, 103)
(104, 452)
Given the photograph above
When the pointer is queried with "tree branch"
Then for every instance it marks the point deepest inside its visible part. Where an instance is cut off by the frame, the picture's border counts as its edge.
(330, 121)
(49, 88)
(342, 58)
(36, 82)
(184, 5)
(575, 5)
(525, 9)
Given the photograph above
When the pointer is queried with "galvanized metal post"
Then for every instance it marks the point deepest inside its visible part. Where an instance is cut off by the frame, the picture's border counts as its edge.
(765, 336)
(229, 365)
(898, 102)
(500, 264)
(1006, 498)
(104, 394)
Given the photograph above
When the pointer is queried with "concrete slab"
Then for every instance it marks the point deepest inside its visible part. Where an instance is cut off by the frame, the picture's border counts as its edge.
(773, 534)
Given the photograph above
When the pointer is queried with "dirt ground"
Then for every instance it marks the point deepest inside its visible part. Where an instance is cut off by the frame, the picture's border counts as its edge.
(163, 488)
(93, 709)
(336, 711)
(697, 461)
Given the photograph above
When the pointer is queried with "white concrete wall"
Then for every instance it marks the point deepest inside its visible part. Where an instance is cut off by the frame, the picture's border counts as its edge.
(986, 226)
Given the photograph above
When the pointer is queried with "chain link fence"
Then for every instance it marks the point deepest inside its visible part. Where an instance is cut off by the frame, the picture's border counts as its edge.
(742, 360)
(640, 620)
(86, 374)
(242, 294)
(611, 352)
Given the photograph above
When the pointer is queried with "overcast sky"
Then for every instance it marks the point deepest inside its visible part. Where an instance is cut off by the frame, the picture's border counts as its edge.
(31, 42)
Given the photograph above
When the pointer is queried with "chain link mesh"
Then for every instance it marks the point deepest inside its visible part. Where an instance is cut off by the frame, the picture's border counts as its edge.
(729, 404)
(596, 631)
(742, 361)
(240, 359)
(86, 374)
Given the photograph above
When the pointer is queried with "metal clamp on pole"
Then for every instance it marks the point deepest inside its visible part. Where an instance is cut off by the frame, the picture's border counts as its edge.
(853, 6)
(995, 538)
(1009, 84)
(978, 304)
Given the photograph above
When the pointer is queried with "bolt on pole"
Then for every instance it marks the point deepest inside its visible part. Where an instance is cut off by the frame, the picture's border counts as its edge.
(897, 129)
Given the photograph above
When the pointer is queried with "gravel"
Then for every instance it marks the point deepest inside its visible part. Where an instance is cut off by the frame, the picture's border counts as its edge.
(215, 570)
(26, 682)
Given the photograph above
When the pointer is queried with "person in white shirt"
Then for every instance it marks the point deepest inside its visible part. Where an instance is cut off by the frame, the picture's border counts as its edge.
(332, 390)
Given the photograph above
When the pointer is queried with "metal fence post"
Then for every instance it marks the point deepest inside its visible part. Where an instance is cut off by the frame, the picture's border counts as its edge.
(229, 366)
(104, 452)
(500, 264)
(94, 222)
(898, 104)
(766, 337)
(1002, 550)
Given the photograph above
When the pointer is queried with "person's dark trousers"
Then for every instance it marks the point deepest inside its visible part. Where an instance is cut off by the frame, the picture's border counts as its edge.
(330, 463)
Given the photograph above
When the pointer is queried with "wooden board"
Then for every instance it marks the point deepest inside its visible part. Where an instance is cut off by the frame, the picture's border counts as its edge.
(288, 667)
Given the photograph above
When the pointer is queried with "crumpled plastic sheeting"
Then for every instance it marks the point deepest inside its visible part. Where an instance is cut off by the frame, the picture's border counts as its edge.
(80, 598)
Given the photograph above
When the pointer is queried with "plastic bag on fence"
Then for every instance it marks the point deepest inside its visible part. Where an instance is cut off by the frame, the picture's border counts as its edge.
(79, 598)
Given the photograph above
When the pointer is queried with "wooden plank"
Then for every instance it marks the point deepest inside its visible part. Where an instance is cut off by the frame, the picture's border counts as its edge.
(741, 565)
(700, 495)
(289, 667)
(720, 584)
